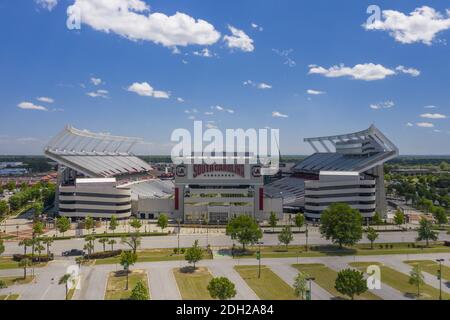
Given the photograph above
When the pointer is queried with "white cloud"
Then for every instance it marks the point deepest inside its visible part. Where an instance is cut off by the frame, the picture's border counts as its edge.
(209, 113)
(425, 125)
(239, 40)
(430, 107)
(433, 116)
(411, 71)
(210, 125)
(277, 114)
(146, 90)
(132, 19)
(191, 111)
(222, 109)
(382, 105)
(262, 85)
(257, 27)
(206, 53)
(366, 71)
(47, 4)
(181, 100)
(422, 25)
(96, 81)
(31, 106)
(315, 92)
(218, 108)
(98, 94)
(285, 55)
(45, 99)
(409, 124)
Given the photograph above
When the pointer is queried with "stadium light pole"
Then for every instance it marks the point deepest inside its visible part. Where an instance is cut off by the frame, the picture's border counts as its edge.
(440, 277)
(258, 256)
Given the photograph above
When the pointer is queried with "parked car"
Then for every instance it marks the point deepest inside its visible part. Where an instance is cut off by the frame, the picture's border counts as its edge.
(73, 253)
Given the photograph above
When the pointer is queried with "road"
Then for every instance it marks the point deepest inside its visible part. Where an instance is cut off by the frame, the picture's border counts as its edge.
(163, 285)
(215, 240)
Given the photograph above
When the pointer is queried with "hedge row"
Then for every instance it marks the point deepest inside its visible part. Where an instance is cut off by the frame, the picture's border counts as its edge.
(104, 254)
(120, 235)
(35, 258)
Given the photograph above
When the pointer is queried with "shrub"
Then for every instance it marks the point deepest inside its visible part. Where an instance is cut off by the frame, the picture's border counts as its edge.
(183, 250)
(380, 246)
(36, 258)
(392, 246)
(106, 254)
(3, 284)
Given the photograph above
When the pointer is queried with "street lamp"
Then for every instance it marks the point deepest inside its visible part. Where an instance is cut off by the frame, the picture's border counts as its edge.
(179, 230)
(309, 292)
(258, 256)
(306, 234)
(440, 277)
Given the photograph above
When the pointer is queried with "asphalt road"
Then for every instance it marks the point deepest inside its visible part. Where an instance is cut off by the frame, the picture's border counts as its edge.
(214, 240)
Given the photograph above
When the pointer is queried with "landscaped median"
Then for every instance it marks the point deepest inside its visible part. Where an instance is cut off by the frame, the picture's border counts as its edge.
(9, 297)
(334, 250)
(115, 288)
(9, 263)
(10, 281)
(269, 286)
(431, 267)
(326, 279)
(192, 283)
(400, 282)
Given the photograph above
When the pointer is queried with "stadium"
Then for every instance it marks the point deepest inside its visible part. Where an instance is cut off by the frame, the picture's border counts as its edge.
(99, 176)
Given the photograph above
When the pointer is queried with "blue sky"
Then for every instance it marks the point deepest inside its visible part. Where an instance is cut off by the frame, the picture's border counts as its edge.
(390, 74)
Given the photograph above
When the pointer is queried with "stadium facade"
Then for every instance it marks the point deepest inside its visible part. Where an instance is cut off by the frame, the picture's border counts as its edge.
(345, 168)
(99, 176)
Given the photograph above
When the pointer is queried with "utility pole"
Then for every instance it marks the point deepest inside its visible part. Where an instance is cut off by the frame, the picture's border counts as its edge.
(440, 277)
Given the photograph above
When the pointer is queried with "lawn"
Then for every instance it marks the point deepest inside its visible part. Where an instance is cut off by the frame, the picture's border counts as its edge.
(10, 281)
(9, 297)
(326, 277)
(432, 267)
(9, 263)
(151, 255)
(115, 288)
(333, 250)
(192, 285)
(399, 281)
(269, 286)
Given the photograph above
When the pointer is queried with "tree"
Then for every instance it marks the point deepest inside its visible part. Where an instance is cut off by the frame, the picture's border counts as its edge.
(63, 224)
(134, 241)
(221, 288)
(38, 228)
(89, 246)
(244, 229)
(416, 278)
(104, 241)
(376, 219)
(440, 215)
(48, 241)
(426, 232)
(38, 209)
(88, 223)
(372, 235)
(286, 236)
(26, 243)
(4, 208)
(399, 218)
(65, 281)
(113, 224)
(194, 254)
(2, 247)
(350, 282)
(301, 285)
(39, 247)
(139, 292)
(163, 221)
(299, 220)
(24, 263)
(112, 242)
(273, 220)
(444, 166)
(136, 224)
(341, 224)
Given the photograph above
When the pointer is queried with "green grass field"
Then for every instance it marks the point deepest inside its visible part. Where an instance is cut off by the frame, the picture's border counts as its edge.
(115, 288)
(193, 286)
(332, 250)
(9, 263)
(326, 277)
(399, 281)
(10, 281)
(151, 255)
(9, 297)
(431, 267)
(269, 286)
